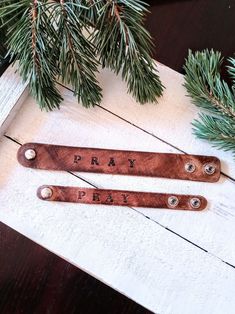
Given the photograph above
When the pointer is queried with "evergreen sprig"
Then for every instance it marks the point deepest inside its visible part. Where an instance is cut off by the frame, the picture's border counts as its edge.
(47, 38)
(215, 96)
(125, 46)
(76, 54)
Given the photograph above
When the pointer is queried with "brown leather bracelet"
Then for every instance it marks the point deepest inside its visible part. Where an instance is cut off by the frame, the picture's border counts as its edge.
(173, 166)
(120, 198)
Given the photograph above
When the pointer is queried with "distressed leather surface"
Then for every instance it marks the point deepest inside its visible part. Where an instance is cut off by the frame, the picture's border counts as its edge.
(165, 165)
(121, 198)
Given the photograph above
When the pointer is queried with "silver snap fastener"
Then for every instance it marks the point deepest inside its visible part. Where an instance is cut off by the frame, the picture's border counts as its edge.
(209, 169)
(173, 201)
(30, 154)
(190, 167)
(46, 193)
(195, 202)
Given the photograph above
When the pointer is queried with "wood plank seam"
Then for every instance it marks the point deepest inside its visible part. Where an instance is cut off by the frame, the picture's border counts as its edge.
(15, 136)
(158, 138)
(145, 131)
(24, 88)
(132, 124)
(145, 216)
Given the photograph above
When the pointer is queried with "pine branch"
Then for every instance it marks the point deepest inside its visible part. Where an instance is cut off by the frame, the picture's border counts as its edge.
(209, 92)
(231, 70)
(220, 132)
(47, 37)
(28, 43)
(125, 46)
(9, 14)
(76, 55)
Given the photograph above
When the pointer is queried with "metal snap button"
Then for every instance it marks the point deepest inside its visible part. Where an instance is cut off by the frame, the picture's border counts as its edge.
(46, 193)
(195, 202)
(30, 154)
(173, 201)
(209, 169)
(190, 167)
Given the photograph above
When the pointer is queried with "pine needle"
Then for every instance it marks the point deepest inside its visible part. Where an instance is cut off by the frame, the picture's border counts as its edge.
(212, 94)
(47, 37)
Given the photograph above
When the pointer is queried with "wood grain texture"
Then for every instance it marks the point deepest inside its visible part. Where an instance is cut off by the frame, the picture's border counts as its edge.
(12, 94)
(124, 249)
(33, 280)
(178, 265)
(64, 227)
(123, 162)
(98, 127)
(169, 121)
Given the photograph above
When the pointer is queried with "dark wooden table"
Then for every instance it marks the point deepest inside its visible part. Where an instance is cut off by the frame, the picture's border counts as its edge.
(33, 280)
(190, 24)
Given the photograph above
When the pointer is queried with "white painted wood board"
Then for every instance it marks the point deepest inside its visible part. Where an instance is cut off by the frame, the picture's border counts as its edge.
(170, 119)
(74, 125)
(12, 94)
(138, 256)
(117, 245)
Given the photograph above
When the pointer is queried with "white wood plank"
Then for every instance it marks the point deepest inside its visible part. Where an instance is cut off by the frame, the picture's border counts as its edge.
(169, 120)
(212, 229)
(115, 244)
(12, 94)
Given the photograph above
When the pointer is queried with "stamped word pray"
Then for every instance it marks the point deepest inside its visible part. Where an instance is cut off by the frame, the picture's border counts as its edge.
(111, 161)
(107, 198)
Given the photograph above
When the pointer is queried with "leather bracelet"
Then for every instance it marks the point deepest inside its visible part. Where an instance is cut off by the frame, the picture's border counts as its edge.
(164, 165)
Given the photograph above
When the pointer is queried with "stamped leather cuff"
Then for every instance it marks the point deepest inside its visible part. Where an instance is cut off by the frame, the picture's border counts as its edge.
(164, 165)
(120, 198)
